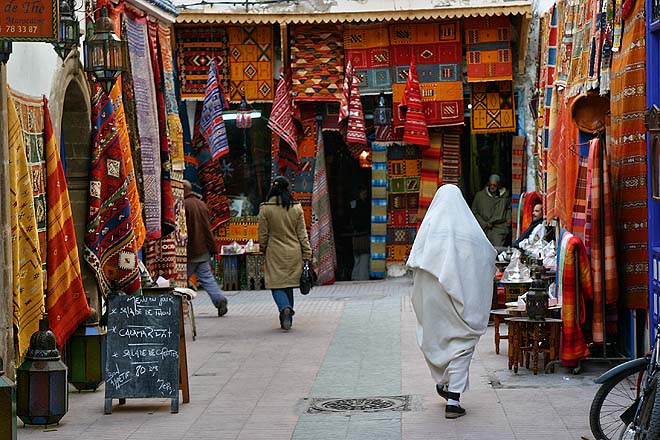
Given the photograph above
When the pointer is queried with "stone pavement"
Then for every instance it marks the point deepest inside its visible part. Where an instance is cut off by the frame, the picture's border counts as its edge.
(250, 380)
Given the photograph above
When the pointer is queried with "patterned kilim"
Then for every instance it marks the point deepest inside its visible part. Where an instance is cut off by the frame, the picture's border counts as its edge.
(238, 229)
(180, 234)
(367, 48)
(303, 180)
(317, 62)
(492, 107)
(488, 42)
(31, 116)
(415, 130)
(322, 237)
(579, 216)
(281, 124)
(27, 282)
(196, 47)
(436, 49)
(66, 303)
(403, 171)
(546, 103)
(160, 257)
(430, 177)
(517, 175)
(212, 125)
(451, 157)
(628, 159)
(110, 247)
(586, 49)
(566, 12)
(251, 63)
(378, 267)
(147, 120)
(351, 117)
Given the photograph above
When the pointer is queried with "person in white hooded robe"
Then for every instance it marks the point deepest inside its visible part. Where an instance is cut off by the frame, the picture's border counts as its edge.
(453, 264)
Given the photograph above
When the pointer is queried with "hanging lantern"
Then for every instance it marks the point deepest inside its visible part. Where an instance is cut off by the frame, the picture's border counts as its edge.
(382, 113)
(106, 55)
(69, 29)
(7, 407)
(365, 159)
(41, 381)
(244, 115)
(5, 50)
(85, 354)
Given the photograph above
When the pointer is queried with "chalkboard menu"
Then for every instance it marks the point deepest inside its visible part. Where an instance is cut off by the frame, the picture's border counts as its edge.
(143, 348)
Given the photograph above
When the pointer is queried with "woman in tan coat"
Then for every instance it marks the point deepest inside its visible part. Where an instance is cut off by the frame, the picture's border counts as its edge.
(283, 239)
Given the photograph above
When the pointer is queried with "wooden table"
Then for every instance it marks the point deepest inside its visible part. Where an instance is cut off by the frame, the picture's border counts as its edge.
(498, 316)
(530, 337)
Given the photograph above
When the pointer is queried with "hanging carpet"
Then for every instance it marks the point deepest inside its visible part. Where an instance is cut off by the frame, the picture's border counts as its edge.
(250, 63)
(284, 139)
(518, 144)
(492, 107)
(430, 175)
(411, 109)
(367, 48)
(212, 124)
(488, 48)
(377, 268)
(451, 157)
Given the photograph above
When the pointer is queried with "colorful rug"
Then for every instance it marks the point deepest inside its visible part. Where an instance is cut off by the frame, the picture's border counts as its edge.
(518, 145)
(488, 48)
(27, 273)
(110, 247)
(411, 108)
(196, 47)
(436, 50)
(367, 48)
(66, 303)
(629, 160)
(377, 268)
(147, 121)
(451, 158)
(403, 171)
(579, 217)
(281, 124)
(351, 117)
(492, 107)
(303, 180)
(31, 116)
(566, 12)
(583, 74)
(322, 237)
(430, 175)
(317, 62)
(251, 63)
(212, 125)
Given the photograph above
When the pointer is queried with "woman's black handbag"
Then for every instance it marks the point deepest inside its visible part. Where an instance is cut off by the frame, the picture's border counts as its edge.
(307, 278)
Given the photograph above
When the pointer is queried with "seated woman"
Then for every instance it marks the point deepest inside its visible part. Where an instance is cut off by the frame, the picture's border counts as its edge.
(535, 232)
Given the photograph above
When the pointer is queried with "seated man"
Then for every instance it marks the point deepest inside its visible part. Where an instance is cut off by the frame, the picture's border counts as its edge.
(492, 209)
(535, 232)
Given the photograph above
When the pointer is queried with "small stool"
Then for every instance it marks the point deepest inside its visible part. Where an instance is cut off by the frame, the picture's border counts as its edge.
(529, 338)
(498, 316)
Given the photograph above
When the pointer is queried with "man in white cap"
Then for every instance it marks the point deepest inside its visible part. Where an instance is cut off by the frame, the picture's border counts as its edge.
(492, 208)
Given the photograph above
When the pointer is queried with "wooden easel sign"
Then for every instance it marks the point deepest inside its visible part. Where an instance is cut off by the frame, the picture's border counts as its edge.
(142, 348)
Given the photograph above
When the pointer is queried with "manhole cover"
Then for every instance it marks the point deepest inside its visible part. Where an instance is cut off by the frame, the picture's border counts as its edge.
(364, 404)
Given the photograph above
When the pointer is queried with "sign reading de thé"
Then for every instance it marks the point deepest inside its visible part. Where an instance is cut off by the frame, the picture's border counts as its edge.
(28, 20)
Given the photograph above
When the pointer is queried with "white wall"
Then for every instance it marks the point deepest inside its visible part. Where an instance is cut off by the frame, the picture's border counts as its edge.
(31, 66)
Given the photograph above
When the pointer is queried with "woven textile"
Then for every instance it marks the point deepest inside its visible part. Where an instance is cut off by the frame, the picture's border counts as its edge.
(628, 158)
(598, 191)
(322, 237)
(27, 282)
(174, 128)
(585, 56)
(573, 346)
(492, 107)
(411, 108)
(430, 175)
(548, 79)
(251, 62)
(317, 62)
(66, 303)
(197, 46)
(147, 121)
(351, 116)
(451, 158)
(281, 124)
(566, 15)
(518, 144)
(110, 247)
(435, 48)
(31, 116)
(212, 125)
(180, 234)
(488, 48)
(367, 48)
(377, 268)
(160, 257)
(303, 180)
(579, 216)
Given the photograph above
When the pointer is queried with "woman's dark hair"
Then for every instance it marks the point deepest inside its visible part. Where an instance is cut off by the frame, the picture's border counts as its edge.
(280, 190)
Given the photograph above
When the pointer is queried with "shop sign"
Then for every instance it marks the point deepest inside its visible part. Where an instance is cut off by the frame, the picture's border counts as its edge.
(28, 20)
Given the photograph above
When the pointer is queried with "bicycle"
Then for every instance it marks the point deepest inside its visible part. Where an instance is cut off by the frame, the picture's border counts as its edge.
(627, 405)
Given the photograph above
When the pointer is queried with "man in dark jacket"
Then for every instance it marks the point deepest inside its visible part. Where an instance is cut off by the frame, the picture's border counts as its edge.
(201, 245)
(492, 208)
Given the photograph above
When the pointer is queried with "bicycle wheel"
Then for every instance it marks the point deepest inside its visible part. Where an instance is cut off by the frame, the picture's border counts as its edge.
(612, 399)
(653, 431)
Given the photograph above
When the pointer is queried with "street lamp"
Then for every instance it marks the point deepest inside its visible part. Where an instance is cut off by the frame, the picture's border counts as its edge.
(106, 55)
(69, 30)
(7, 407)
(5, 50)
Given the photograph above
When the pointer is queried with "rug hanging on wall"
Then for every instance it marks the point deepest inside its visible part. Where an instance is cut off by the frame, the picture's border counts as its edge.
(303, 179)
(488, 48)
(367, 48)
(430, 175)
(377, 267)
(251, 63)
(451, 157)
(492, 107)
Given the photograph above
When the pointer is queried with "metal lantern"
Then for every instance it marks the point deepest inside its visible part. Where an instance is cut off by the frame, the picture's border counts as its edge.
(85, 355)
(7, 407)
(537, 296)
(69, 29)
(244, 115)
(41, 381)
(106, 55)
(5, 50)
(382, 113)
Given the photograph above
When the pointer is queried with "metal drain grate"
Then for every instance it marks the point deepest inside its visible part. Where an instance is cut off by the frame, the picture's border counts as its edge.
(362, 404)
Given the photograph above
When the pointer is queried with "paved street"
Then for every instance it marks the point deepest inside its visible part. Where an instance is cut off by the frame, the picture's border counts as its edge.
(250, 380)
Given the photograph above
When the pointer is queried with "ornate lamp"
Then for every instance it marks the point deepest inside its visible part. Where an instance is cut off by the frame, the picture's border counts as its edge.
(382, 113)
(41, 380)
(5, 50)
(7, 407)
(244, 115)
(85, 355)
(106, 55)
(537, 296)
(365, 159)
(69, 30)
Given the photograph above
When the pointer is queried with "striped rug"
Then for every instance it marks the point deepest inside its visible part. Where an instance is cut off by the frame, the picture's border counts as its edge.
(378, 267)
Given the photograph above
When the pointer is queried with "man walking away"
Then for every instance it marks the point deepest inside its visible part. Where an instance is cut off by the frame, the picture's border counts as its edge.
(201, 245)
